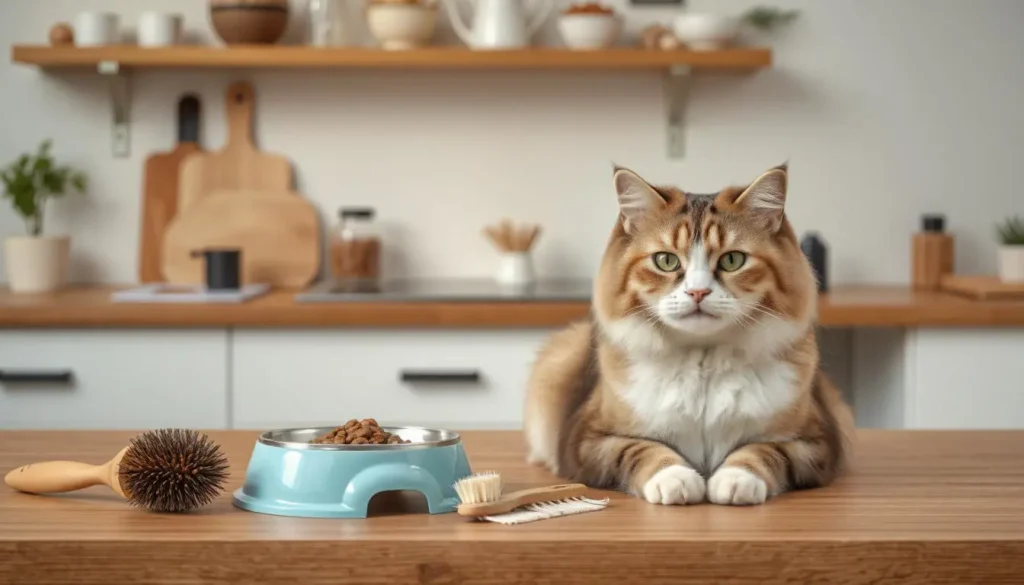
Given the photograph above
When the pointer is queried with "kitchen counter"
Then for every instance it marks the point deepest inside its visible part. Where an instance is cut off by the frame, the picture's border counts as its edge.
(918, 507)
(90, 306)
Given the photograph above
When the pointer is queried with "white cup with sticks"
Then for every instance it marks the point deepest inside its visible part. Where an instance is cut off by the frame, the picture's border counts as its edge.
(515, 268)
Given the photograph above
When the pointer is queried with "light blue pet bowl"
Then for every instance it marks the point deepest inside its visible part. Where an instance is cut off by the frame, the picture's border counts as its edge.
(288, 476)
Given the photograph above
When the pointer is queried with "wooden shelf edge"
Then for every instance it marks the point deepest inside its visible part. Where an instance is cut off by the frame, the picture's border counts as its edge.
(49, 57)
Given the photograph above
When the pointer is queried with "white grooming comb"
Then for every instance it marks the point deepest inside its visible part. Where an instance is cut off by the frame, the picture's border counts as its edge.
(481, 498)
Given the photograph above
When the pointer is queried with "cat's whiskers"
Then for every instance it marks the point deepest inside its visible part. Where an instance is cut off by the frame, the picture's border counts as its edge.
(649, 316)
(758, 308)
(744, 320)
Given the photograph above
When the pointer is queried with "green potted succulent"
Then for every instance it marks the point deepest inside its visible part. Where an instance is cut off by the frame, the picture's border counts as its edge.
(37, 262)
(1011, 250)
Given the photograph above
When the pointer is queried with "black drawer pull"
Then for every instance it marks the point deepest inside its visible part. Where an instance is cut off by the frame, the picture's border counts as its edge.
(440, 377)
(36, 376)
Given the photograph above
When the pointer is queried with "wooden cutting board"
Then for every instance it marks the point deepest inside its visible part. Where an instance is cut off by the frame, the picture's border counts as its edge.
(982, 288)
(239, 165)
(160, 189)
(278, 233)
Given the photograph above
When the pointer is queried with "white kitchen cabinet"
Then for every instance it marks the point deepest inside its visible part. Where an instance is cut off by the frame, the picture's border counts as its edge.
(965, 379)
(940, 378)
(439, 378)
(113, 379)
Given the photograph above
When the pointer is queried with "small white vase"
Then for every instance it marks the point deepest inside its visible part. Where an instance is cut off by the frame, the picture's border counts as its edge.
(1011, 264)
(36, 264)
(515, 269)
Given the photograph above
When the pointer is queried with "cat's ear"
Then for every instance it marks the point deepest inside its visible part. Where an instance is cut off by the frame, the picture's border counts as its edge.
(765, 198)
(636, 197)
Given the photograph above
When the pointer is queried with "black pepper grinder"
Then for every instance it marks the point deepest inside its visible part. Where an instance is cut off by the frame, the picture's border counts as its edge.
(816, 251)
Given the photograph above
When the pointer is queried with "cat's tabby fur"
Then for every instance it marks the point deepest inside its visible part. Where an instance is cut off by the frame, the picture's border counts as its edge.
(694, 379)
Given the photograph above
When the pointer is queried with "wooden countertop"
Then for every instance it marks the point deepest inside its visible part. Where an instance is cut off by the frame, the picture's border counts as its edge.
(918, 507)
(843, 307)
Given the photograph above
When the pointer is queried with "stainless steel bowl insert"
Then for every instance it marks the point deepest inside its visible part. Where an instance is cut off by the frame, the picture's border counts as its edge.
(299, 439)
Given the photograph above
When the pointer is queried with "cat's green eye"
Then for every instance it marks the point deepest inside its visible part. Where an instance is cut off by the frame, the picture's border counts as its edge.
(732, 261)
(667, 262)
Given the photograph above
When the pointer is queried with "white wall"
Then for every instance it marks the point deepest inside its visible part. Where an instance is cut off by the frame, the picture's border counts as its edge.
(884, 109)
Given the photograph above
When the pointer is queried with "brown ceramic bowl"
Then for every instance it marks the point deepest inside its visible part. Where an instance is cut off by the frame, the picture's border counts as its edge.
(249, 22)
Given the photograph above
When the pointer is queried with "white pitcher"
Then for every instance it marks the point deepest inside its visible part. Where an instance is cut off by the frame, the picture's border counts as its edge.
(498, 24)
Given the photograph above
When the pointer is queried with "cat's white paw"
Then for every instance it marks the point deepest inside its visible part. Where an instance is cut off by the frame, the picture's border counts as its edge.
(737, 487)
(675, 484)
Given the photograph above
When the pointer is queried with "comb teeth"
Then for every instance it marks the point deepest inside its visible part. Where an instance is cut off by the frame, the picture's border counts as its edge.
(546, 510)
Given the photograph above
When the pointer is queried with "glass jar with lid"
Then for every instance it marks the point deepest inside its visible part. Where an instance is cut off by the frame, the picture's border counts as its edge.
(356, 245)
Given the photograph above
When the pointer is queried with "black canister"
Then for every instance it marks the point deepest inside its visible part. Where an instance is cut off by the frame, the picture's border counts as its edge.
(816, 251)
(223, 268)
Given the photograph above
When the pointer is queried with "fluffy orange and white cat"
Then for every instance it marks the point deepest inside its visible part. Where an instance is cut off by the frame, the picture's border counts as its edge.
(698, 375)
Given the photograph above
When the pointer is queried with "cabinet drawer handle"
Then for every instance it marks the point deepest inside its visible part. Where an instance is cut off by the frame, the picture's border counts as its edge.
(35, 376)
(441, 376)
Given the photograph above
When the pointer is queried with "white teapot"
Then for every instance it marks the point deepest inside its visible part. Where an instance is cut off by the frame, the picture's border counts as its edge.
(498, 24)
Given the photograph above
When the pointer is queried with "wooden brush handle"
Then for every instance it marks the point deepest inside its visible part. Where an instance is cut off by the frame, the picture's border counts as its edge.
(54, 477)
(509, 502)
(547, 494)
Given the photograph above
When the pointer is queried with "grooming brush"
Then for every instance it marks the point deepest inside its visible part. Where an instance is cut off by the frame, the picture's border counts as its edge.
(167, 470)
(482, 499)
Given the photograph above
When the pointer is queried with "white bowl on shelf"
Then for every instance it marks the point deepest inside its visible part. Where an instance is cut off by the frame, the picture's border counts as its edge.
(402, 26)
(589, 31)
(706, 32)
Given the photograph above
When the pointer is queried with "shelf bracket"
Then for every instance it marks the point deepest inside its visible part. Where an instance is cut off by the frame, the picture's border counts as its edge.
(120, 99)
(677, 94)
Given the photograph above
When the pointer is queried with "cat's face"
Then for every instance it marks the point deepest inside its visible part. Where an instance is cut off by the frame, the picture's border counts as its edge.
(704, 268)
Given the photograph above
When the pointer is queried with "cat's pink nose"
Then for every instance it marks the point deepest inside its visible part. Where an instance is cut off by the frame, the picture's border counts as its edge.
(698, 294)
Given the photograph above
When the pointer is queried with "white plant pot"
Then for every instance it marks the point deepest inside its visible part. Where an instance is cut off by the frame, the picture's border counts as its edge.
(515, 269)
(36, 264)
(1011, 264)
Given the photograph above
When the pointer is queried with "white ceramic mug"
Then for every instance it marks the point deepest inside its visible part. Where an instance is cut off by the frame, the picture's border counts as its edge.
(94, 29)
(159, 29)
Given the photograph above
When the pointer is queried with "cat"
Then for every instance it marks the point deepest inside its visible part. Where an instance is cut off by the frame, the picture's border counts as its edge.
(697, 376)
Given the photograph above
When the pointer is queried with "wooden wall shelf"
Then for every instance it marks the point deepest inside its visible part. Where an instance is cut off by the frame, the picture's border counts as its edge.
(115, 63)
(428, 58)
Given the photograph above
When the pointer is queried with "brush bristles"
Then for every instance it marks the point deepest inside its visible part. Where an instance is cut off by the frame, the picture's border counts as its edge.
(479, 488)
(172, 470)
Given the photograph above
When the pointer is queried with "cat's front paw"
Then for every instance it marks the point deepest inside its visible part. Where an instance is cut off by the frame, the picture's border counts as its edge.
(675, 484)
(736, 486)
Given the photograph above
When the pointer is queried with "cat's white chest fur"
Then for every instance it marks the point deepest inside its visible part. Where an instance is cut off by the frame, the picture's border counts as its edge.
(706, 402)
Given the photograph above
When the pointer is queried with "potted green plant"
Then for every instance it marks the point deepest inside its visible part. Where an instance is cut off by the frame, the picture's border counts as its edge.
(1011, 250)
(767, 18)
(37, 263)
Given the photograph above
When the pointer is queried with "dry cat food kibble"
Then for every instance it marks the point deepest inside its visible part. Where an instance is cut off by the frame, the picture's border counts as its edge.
(359, 432)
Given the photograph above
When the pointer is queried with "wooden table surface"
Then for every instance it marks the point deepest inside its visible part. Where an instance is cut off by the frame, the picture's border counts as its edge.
(919, 507)
(842, 307)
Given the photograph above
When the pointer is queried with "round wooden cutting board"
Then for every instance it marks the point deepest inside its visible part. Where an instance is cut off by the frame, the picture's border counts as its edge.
(278, 233)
